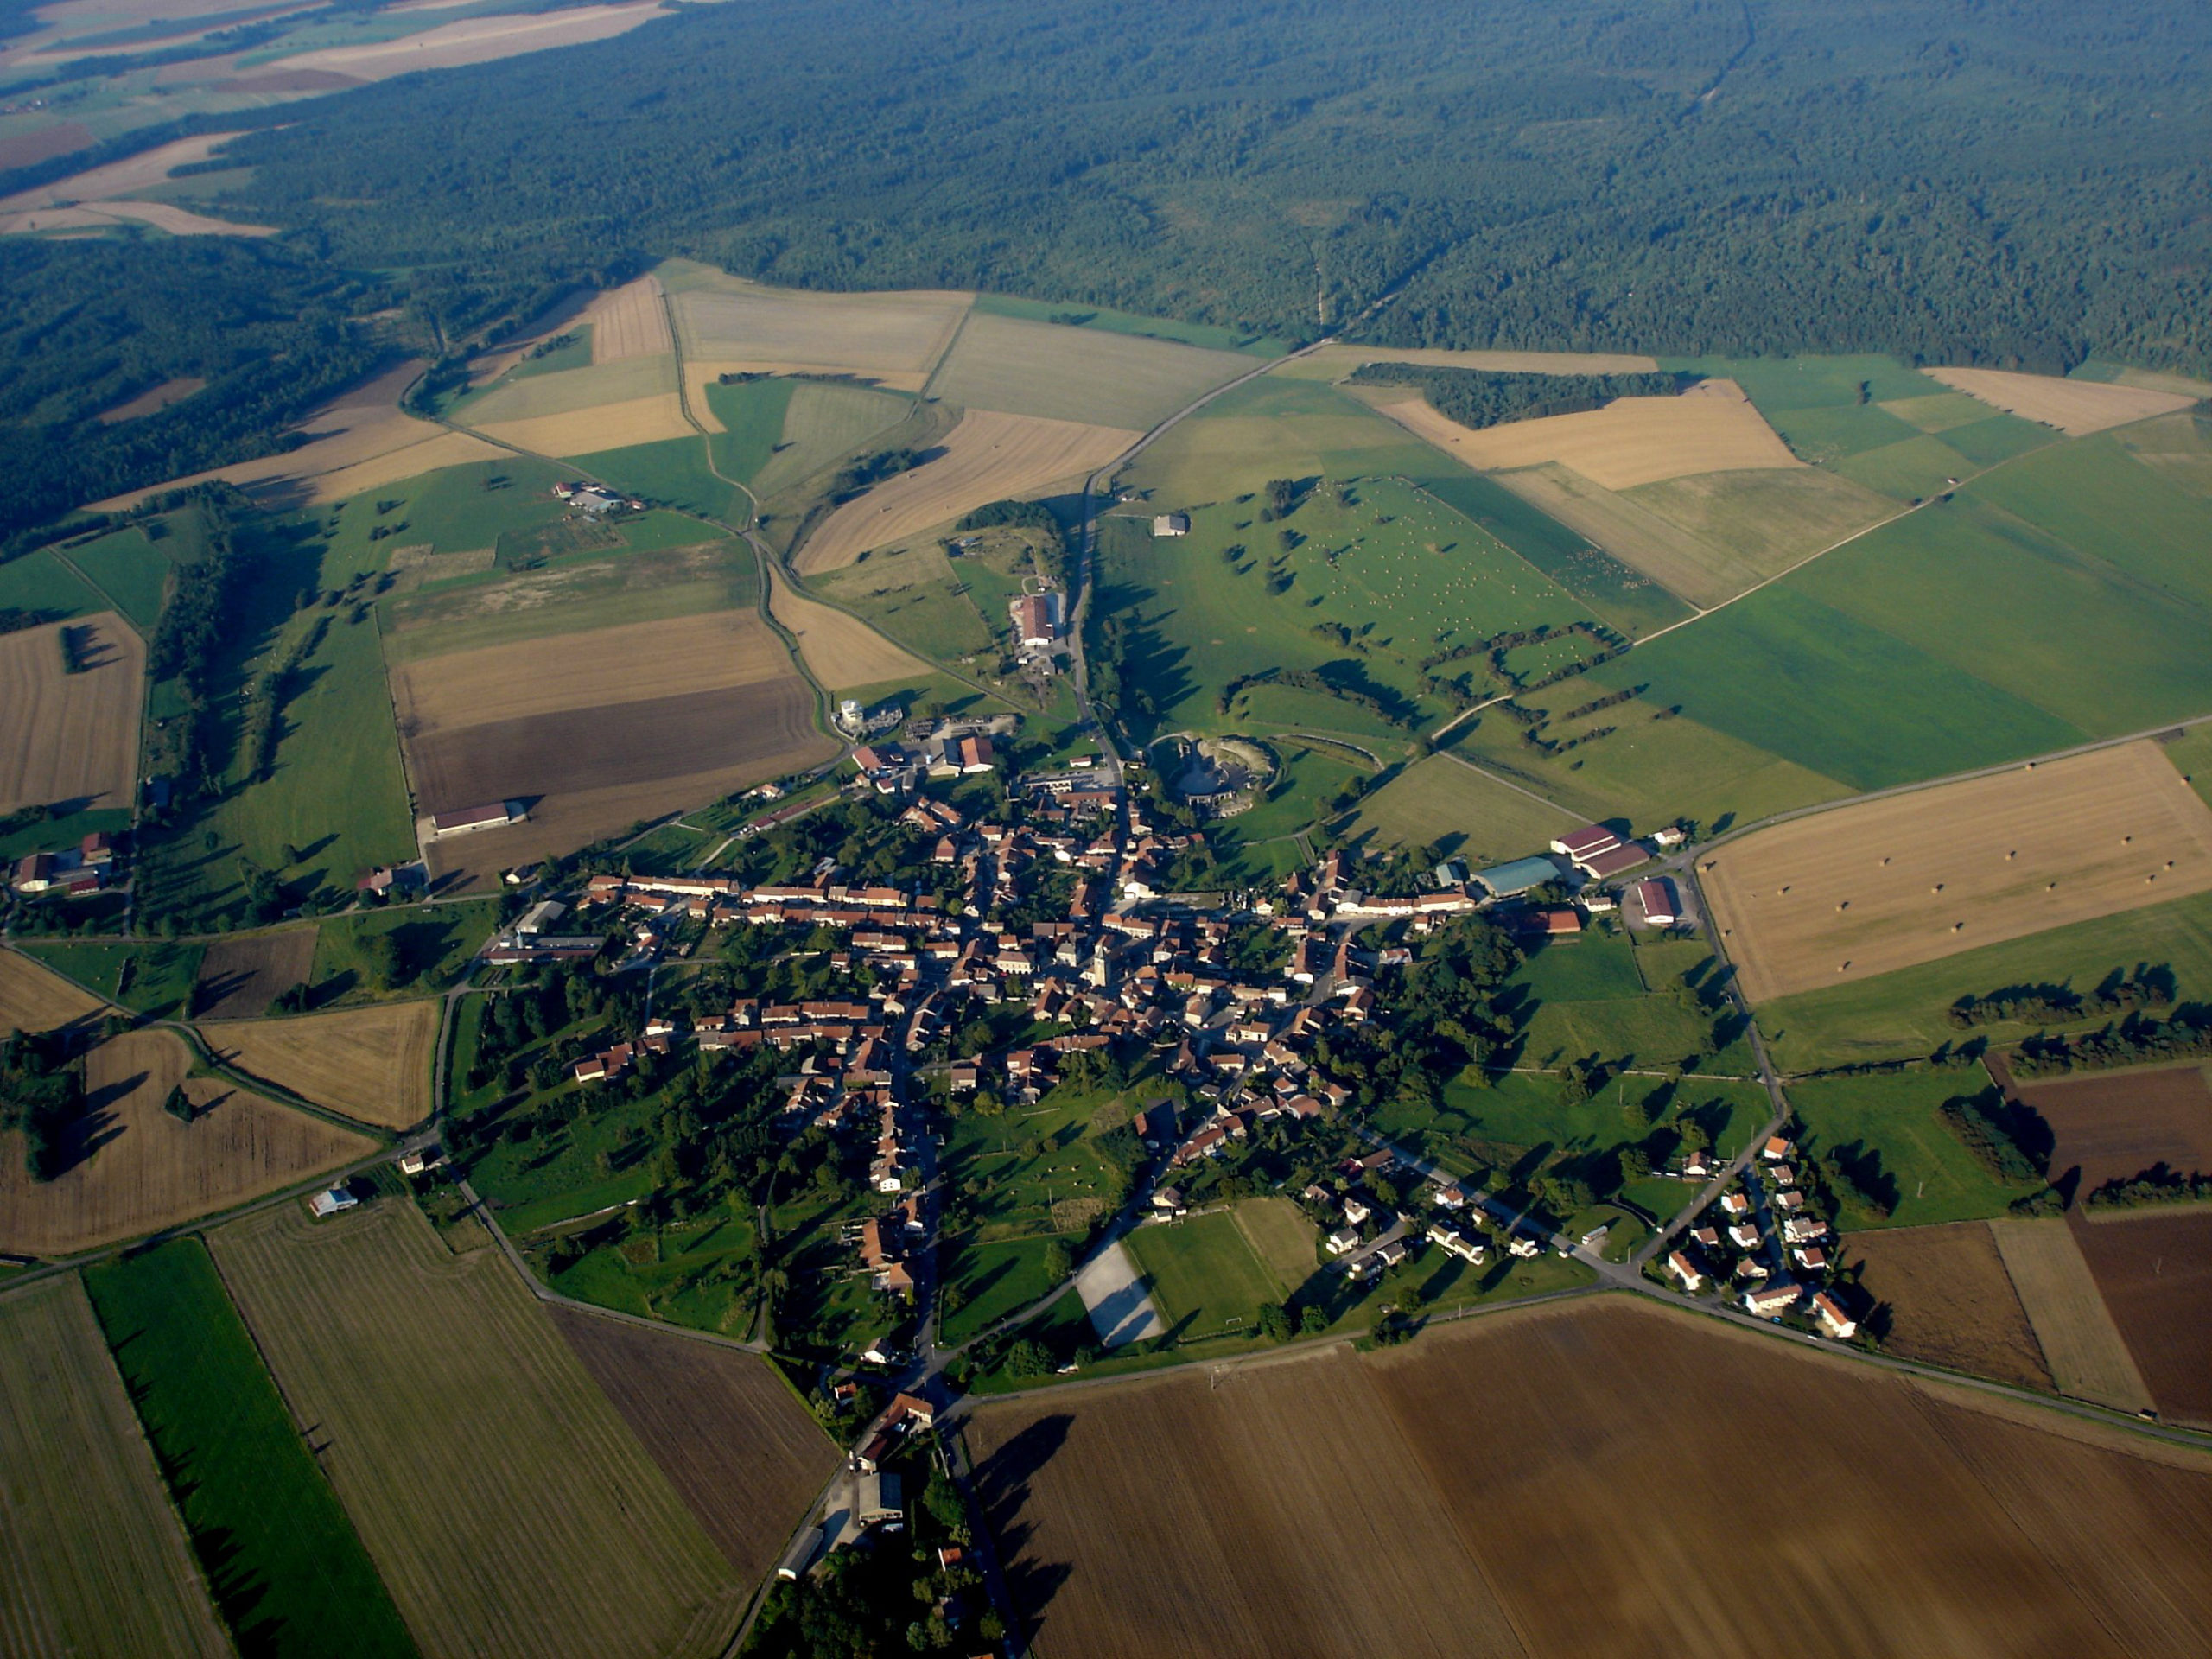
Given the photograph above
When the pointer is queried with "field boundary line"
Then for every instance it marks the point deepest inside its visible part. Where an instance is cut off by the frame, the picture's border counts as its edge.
(1479, 772)
(944, 353)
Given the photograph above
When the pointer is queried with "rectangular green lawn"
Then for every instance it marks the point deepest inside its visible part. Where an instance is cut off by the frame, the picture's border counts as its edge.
(1203, 1276)
(288, 1569)
(1894, 1117)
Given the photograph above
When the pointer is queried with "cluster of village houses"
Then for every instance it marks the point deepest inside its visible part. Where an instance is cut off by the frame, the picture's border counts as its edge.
(1756, 1223)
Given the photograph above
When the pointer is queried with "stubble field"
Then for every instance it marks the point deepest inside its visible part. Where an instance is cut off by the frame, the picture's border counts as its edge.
(897, 336)
(629, 322)
(987, 457)
(32, 999)
(372, 1062)
(507, 1506)
(71, 737)
(1019, 366)
(2154, 1270)
(2074, 407)
(137, 1168)
(733, 1440)
(1425, 1500)
(1711, 427)
(2081, 1342)
(1950, 1300)
(1889, 883)
(840, 650)
(92, 1560)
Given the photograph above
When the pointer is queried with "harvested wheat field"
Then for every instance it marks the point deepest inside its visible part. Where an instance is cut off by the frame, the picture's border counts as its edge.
(629, 322)
(2154, 1271)
(587, 431)
(2081, 1343)
(2074, 407)
(153, 400)
(599, 386)
(373, 1064)
(33, 998)
(1711, 427)
(2115, 1126)
(987, 457)
(1572, 1480)
(1948, 1301)
(478, 40)
(506, 1505)
(241, 975)
(70, 737)
(135, 1168)
(121, 178)
(92, 1561)
(1016, 366)
(745, 1456)
(726, 319)
(1910, 878)
(840, 649)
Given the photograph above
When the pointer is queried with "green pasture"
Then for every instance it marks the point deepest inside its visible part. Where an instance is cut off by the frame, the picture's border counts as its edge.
(695, 1273)
(1203, 1274)
(285, 1563)
(454, 510)
(38, 582)
(1616, 595)
(751, 413)
(823, 421)
(1013, 1166)
(153, 979)
(2192, 754)
(1886, 1127)
(672, 473)
(1900, 1015)
(1463, 813)
(128, 569)
(573, 353)
(66, 829)
(517, 397)
(921, 599)
(1276, 428)
(1601, 996)
(994, 1280)
(436, 943)
(1107, 320)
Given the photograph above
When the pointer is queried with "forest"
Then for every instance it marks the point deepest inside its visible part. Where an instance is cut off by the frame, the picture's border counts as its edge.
(2006, 182)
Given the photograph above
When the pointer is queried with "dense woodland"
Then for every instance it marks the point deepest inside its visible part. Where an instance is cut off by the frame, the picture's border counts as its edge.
(2002, 182)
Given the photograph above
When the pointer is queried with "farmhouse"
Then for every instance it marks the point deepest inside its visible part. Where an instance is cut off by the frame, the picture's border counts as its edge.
(469, 819)
(1171, 523)
(1833, 1319)
(1036, 619)
(1680, 1267)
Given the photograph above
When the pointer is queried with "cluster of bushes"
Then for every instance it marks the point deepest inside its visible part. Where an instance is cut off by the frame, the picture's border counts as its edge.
(41, 1091)
(2028, 1004)
(2134, 1041)
(2160, 1183)
(855, 476)
(1988, 1129)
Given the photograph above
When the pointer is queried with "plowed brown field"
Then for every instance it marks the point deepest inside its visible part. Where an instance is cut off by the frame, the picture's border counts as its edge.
(987, 458)
(70, 737)
(373, 1064)
(733, 1440)
(1907, 878)
(138, 1168)
(1950, 1301)
(239, 977)
(1575, 1480)
(2154, 1270)
(2114, 1127)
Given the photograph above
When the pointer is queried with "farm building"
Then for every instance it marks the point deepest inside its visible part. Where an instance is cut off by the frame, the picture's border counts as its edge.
(422, 1160)
(876, 1500)
(1522, 874)
(540, 916)
(331, 1202)
(1036, 619)
(1171, 523)
(1586, 843)
(469, 818)
(1603, 867)
(1656, 899)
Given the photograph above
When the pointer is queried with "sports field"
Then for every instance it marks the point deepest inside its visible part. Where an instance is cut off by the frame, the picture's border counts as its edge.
(988, 457)
(1267, 1527)
(243, 1478)
(1711, 427)
(1900, 1014)
(729, 1434)
(2081, 1343)
(1203, 1275)
(1092, 375)
(136, 1167)
(1444, 803)
(1886, 884)
(1948, 1300)
(505, 1502)
(71, 737)
(93, 1561)
(373, 1064)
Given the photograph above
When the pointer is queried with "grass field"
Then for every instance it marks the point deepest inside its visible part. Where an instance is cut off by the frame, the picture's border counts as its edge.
(1885, 1129)
(751, 418)
(1902, 1013)
(286, 1563)
(1205, 1277)
(1600, 995)
(1948, 1301)
(130, 572)
(1887, 884)
(134, 1167)
(71, 737)
(1460, 812)
(915, 594)
(728, 1433)
(93, 1561)
(1092, 375)
(504, 1500)
(373, 1064)
(155, 979)
(533, 397)
(988, 457)
(2081, 1343)
(1267, 1531)
(670, 469)
(434, 944)
(824, 423)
